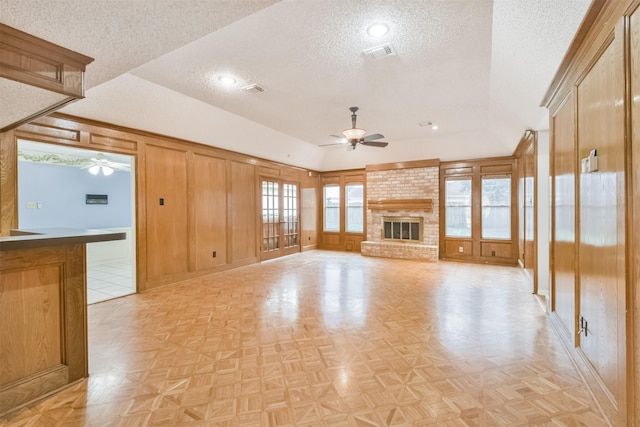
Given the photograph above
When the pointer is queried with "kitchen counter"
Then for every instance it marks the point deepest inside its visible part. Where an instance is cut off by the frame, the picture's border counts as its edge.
(43, 311)
(43, 237)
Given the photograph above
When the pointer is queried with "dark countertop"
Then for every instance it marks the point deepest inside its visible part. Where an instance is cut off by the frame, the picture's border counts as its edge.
(41, 237)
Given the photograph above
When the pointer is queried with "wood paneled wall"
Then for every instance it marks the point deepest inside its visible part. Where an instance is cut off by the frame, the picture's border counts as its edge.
(197, 207)
(525, 155)
(593, 248)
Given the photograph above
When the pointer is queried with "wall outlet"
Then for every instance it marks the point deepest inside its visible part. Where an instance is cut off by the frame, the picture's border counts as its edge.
(215, 254)
(39, 204)
(460, 249)
(31, 205)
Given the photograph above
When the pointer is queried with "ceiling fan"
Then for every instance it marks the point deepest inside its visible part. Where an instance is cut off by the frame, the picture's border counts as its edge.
(102, 163)
(355, 136)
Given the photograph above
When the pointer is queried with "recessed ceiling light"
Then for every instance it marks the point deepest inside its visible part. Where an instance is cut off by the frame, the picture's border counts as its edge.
(227, 80)
(432, 125)
(378, 30)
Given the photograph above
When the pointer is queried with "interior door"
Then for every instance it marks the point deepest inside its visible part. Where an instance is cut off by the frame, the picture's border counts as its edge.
(280, 219)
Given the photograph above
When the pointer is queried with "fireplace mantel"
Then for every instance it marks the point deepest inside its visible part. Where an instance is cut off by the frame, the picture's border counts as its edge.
(425, 205)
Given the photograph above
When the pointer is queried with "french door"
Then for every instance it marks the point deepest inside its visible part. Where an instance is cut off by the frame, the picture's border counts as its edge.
(280, 219)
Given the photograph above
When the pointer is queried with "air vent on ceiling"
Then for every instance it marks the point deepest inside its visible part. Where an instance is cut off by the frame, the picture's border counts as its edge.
(380, 51)
(254, 88)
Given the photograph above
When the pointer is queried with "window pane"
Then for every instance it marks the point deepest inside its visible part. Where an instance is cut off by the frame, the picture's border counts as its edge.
(458, 207)
(331, 208)
(355, 208)
(496, 208)
(415, 231)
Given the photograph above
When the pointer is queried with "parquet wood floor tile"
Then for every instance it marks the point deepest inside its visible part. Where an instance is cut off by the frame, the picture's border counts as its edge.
(325, 339)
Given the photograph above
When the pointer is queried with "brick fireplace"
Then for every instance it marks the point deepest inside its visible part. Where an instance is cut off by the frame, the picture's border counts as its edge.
(403, 210)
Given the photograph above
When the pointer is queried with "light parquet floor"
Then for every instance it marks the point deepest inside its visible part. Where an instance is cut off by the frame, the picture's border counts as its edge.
(326, 339)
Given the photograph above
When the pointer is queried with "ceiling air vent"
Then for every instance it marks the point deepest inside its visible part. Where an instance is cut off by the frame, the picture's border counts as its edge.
(380, 51)
(253, 88)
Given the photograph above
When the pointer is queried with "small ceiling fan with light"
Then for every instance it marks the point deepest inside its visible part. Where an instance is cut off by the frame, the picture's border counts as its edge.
(102, 163)
(355, 136)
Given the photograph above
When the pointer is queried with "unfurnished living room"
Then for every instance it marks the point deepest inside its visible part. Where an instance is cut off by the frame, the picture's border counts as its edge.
(319, 213)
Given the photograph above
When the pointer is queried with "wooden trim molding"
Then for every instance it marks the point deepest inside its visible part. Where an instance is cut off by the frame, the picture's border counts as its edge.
(400, 204)
(403, 165)
(37, 62)
(44, 67)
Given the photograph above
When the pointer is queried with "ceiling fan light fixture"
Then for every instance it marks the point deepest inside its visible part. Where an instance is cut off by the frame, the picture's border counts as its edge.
(93, 170)
(354, 133)
(378, 30)
(106, 170)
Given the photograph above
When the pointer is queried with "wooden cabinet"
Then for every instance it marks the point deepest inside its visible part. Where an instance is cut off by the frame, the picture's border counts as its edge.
(166, 213)
(43, 338)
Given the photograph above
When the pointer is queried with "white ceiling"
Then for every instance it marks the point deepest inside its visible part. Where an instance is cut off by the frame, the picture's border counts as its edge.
(477, 68)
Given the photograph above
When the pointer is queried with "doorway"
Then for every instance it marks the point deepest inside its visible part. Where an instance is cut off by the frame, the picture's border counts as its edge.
(69, 187)
(280, 219)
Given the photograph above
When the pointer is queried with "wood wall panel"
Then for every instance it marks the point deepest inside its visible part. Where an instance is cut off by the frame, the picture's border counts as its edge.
(243, 214)
(496, 250)
(633, 233)
(310, 202)
(563, 175)
(43, 313)
(602, 218)
(8, 182)
(30, 315)
(167, 224)
(209, 216)
(525, 155)
(452, 248)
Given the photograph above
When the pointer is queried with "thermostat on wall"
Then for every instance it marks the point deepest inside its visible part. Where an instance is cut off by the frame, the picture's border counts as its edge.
(590, 164)
(97, 199)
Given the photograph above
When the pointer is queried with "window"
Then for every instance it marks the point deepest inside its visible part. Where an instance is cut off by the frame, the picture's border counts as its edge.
(496, 207)
(355, 208)
(332, 207)
(458, 207)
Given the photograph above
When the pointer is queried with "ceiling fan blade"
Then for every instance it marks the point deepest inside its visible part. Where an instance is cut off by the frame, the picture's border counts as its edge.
(335, 143)
(380, 144)
(373, 137)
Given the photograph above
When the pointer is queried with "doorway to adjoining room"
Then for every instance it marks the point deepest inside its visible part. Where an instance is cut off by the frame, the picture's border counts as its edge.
(68, 187)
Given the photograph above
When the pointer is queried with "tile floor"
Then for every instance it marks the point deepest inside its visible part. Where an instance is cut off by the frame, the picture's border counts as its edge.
(326, 339)
(108, 280)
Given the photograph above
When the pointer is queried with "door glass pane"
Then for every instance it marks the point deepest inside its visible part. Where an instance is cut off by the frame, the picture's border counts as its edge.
(496, 207)
(270, 216)
(458, 207)
(331, 208)
(355, 208)
(290, 212)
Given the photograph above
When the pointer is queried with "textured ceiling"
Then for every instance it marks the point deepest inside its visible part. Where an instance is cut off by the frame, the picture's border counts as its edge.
(477, 68)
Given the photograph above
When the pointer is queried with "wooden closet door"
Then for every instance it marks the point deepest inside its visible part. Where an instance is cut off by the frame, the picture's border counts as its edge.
(166, 212)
